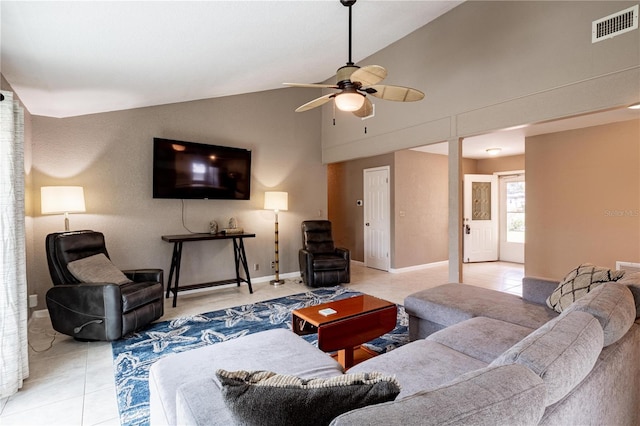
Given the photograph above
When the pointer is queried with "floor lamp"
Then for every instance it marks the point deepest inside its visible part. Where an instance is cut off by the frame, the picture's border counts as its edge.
(62, 199)
(276, 201)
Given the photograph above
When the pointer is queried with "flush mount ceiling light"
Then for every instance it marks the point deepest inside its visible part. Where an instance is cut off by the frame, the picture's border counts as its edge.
(634, 106)
(355, 83)
(494, 151)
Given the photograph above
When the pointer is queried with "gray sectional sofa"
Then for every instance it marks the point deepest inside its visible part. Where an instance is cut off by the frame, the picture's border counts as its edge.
(477, 356)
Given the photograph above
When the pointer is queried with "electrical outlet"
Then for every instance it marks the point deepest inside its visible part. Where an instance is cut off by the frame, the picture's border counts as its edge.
(33, 300)
(273, 264)
(256, 266)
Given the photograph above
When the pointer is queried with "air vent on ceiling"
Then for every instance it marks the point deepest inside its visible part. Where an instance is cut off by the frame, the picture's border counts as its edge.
(615, 24)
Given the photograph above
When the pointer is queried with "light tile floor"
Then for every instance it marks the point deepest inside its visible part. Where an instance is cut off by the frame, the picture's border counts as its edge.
(72, 383)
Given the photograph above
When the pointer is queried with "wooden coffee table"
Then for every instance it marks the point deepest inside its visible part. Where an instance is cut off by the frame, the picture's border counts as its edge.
(357, 320)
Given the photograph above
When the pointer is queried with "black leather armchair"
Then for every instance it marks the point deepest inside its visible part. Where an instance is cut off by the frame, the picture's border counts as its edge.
(98, 311)
(321, 263)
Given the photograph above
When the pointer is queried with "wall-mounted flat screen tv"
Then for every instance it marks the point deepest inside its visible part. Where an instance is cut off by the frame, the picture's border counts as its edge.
(189, 170)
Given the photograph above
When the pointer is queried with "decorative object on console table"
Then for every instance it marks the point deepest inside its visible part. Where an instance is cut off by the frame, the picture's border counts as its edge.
(213, 227)
(232, 228)
(276, 201)
(62, 199)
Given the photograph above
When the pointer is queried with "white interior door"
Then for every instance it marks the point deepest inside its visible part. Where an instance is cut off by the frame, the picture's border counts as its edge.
(480, 219)
(377, 223)
(512, 219)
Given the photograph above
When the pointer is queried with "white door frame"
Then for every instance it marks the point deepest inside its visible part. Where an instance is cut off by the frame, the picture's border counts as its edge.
(509, 251)
(377, 218)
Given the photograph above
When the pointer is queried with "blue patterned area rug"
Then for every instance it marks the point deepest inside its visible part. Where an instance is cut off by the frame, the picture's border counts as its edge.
(134, 354)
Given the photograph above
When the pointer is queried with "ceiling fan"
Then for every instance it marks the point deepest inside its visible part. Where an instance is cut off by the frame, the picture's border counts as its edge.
(355, 83)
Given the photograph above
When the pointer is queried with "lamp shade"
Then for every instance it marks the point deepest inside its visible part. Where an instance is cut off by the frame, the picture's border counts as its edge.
(62, 199)
(275, 200)
(349, 101)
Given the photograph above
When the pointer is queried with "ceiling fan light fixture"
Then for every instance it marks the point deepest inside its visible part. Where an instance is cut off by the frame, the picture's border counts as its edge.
(349, 101)
(634, 106)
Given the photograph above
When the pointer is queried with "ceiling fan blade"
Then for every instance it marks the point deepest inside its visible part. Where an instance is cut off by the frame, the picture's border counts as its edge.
(324, 86)
(369, 75)
(396, 93)
(366, 109)
(316, 102)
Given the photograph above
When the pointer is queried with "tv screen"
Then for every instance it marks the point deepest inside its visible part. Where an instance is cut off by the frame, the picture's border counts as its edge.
(198, 171)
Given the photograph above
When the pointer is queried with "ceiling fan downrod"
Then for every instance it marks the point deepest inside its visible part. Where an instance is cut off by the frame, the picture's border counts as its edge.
(349, 3)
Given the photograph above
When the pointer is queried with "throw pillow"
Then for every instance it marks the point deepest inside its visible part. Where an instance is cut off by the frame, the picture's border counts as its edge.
(97, 269)
(266, 398)
(579, 282)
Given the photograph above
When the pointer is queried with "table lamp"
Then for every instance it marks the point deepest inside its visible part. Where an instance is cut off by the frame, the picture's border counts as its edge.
(62, 199)
(276, 201)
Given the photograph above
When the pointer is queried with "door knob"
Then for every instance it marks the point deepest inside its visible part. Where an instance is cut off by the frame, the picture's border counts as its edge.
(366, 224)
(467, 229)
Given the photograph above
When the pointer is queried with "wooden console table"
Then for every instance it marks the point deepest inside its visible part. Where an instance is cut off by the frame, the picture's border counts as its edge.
(239, 257)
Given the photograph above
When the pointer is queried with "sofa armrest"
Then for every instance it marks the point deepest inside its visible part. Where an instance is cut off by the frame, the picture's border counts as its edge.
(144, 275)
(536, 290)
(344, 253)
(90, 311)
(305, 259)
(489, 396)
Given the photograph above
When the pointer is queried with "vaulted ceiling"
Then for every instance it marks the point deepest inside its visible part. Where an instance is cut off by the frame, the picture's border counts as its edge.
(68, 58)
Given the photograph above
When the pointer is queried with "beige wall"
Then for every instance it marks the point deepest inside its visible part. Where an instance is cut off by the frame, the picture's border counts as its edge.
(583, 198)
(486, 65)
(488, 166)
(345, 187)
(419, 205)
(110, 155)
(420, 211)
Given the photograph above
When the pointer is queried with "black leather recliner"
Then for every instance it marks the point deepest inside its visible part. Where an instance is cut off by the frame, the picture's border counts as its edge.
(321, 263)
(98, 311)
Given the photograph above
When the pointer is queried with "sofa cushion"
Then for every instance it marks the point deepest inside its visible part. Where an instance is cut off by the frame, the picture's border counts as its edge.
(276, 350)
(562, 352)
(612, 304)
(579, 282)
(481, 338)
(452, 303)
(264, 398)
(420, 365)
(496, 395)
(97, 269)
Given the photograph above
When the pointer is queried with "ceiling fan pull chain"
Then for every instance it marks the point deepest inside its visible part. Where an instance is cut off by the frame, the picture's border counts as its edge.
(334, 113)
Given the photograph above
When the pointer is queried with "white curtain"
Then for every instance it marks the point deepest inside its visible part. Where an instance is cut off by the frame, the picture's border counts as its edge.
(14, 363)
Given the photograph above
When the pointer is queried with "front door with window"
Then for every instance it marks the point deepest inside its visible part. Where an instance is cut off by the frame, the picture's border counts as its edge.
(480, 218)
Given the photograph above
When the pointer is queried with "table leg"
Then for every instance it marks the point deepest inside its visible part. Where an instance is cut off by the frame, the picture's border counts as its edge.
(345, 357)
(240, 258)
(175, 283)
(174, 262)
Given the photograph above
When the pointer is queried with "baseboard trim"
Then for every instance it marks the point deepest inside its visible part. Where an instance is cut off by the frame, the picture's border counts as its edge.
(41, 313)
(268, 278)
(418, 267)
